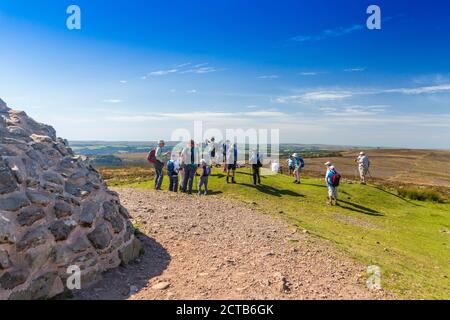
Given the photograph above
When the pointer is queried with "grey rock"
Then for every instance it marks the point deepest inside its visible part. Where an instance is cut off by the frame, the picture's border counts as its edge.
(89, 213)
(5, 263)
(13, 202)
(53, 177)
(7, 182)
(100, 237)
(81, 244)
(62, 209)
(111, 214)
(39, 197)
(61, 229)
(30, 215)
(11, 279)
(40, 288)
(33, 237)
(6, 230)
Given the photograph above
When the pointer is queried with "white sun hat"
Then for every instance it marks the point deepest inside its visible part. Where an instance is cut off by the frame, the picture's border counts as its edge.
(328, 163)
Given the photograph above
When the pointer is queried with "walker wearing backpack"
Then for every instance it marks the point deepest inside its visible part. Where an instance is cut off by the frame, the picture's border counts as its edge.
(151, 156)
(333, 179)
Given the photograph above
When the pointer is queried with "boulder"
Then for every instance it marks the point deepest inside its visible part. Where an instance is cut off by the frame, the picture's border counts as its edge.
(55, 211)
(11, 279)
(30, 215)
(5, 263)
(100, 237)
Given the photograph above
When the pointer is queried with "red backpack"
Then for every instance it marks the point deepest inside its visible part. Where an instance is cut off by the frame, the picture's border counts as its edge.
(335, 179)
(151, 156)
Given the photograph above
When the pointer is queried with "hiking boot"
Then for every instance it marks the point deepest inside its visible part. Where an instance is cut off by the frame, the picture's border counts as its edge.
(205, 193)
(233, 181)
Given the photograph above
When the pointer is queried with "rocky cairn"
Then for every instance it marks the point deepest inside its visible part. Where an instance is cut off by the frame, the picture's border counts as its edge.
(55, 212)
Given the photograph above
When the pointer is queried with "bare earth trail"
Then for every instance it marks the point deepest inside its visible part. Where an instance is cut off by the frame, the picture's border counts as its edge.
(210, 248)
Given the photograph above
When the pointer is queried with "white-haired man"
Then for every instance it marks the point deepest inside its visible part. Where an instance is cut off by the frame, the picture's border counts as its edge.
(363, 163)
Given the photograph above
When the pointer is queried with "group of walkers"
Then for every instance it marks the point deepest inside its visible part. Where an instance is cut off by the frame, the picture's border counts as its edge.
(185, 166)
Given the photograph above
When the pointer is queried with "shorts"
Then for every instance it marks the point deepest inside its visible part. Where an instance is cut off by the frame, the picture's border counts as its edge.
(363, 171)
(332, 192)
(232, 167)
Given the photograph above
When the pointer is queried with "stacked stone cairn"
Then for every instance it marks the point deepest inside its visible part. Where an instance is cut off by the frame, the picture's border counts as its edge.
(56, 214)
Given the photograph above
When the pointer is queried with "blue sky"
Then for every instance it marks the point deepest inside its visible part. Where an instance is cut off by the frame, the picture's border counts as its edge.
(137, 70)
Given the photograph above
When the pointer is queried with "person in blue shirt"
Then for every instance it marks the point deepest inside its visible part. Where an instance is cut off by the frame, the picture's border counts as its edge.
(332, 186)
(173, 169)
(299, 164)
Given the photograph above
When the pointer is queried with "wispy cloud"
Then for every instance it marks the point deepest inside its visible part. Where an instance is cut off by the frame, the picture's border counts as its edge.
(191, 91)
(163, 72)
(315, 96)
(123, 81)
(421, 90)
(184, 68)
(205, 116)
(309, 73)
(271, 76)
(355, 111)
(330, 33)
(358, 69)
(337, 95)
(114, 101)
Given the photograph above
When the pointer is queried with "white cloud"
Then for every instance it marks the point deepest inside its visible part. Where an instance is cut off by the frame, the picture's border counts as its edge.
(359, 69)
(201, 68)
(191, 91)
(123, 81)
(114, 101)
(315, 96)
(421, 90)
(272, 76)
(163, 72)
(330, 33)
(310, 73)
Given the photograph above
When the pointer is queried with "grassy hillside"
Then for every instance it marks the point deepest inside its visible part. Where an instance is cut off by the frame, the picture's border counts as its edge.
(409, 240)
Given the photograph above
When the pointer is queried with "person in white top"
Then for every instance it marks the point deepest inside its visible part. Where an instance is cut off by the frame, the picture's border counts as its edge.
(363, 163)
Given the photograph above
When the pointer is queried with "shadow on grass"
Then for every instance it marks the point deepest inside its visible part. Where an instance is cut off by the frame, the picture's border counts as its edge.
(359, 208)
(315, 185)
(273, 191)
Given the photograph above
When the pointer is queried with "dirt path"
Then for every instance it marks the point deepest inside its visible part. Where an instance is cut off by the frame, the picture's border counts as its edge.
(209, 248)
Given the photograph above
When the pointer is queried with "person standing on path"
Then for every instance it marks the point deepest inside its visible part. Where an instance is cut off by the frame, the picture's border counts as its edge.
(256, 161)
(232, 155)
(190, 160)
(299, 164)
(291, 165)
(363, 163)
(159, 164)
(332, 179)
(203, 182)
(173, 168)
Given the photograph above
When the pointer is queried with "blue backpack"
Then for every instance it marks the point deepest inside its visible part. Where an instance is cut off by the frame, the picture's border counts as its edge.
(171, 168)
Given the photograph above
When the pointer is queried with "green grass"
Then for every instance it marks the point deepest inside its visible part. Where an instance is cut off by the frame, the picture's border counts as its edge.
(408, 239)
(421, 194)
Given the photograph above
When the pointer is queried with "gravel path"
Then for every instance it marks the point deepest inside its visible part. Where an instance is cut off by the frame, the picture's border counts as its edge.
(210, 248)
